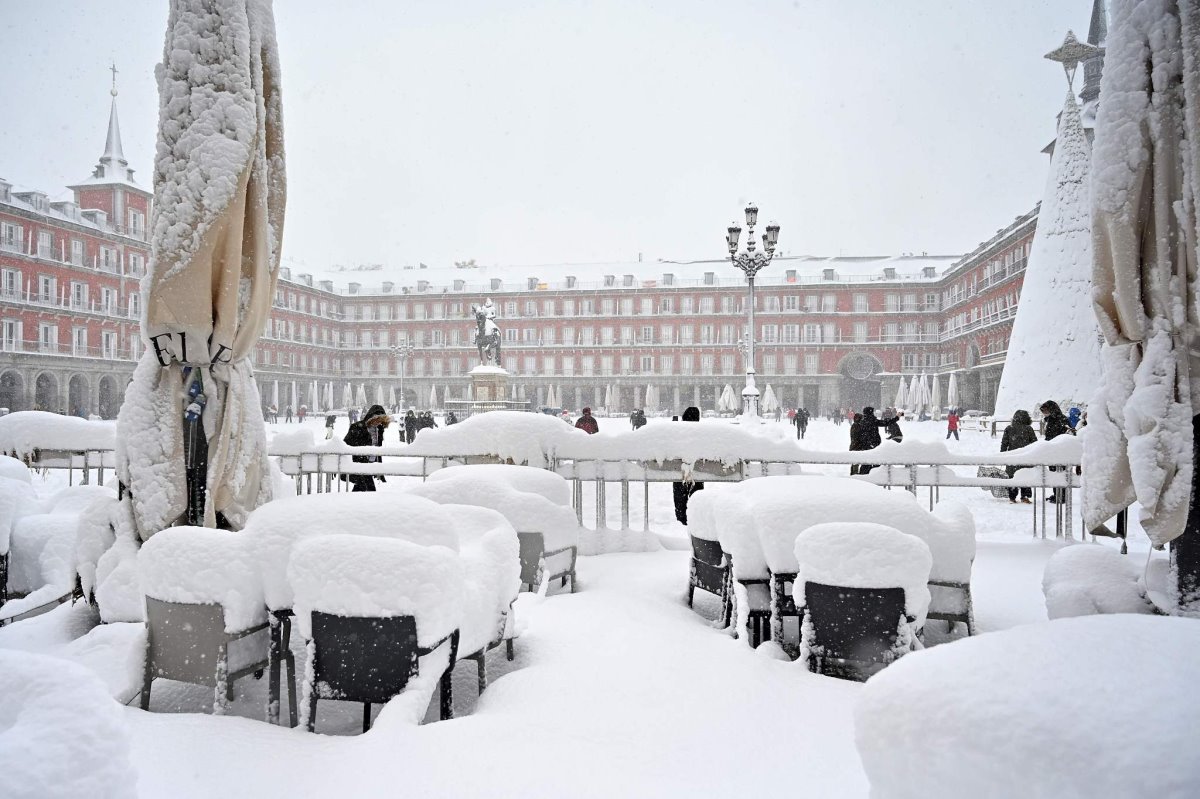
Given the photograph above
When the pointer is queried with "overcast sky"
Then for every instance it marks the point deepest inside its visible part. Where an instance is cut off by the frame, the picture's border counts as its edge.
(571, 131)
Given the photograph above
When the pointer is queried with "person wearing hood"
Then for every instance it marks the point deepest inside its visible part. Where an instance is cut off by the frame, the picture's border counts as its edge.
(368, 432)
(1073, 418)
(1017, 435)
(639, 419)
(681, 492)
(410, 426)
(587, 423)
(426, 421)
(864, 434)
(451, 418)
(1055, 424)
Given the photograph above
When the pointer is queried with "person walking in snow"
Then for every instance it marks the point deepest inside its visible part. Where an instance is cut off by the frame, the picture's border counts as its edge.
(410, 426)
(800, 420)
(288, 415)
(681, 492)
(1073, 418)
(301, 412)
(367, 433)
(952, 424)
(1017, 435)
(639, 419)
(330, 421)
(864, 435)
(587, 423)
(1055, 424)
(451, 418)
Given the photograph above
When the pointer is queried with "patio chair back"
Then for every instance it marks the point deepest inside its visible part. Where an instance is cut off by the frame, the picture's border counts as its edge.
(532, 547)
(363, 659)
(856, 626)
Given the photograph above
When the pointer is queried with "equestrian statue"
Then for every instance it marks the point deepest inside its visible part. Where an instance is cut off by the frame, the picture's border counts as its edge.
(487, 333)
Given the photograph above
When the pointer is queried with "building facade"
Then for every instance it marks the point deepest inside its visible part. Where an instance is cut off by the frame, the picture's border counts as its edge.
(830, 333)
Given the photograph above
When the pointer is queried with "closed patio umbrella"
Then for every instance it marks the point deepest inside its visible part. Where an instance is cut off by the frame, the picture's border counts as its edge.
(380, 399)
(1145, 253)
(275, 394)
(392, 397)
(769, 402)
(294, 399)
(935, 396)
(314, 399)
(432, 397)
(608, 397)
(191, 442)
(347, 396)
(901, 395)
(914, 394)
(360, 396)
(952, 391)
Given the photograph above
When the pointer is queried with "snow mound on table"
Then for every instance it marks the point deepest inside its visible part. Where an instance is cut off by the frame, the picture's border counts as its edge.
(61, 734)
(987, 717)
(1087, 579)
(14, 469)
(490, 554)
(865, 555)
(526, 512)
(292, 442)
(23, 432)
(523, 438)
(530, 479)
(199, 565)
(277, 526)
(354, 575)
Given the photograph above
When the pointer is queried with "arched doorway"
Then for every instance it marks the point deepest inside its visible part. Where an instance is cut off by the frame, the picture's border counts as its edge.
(12, 391)
(79, 395)
(859, 386)
(45, 393)
(109, 398)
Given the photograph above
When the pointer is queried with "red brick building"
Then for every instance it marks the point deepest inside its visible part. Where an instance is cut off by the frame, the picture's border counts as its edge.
(831, 332)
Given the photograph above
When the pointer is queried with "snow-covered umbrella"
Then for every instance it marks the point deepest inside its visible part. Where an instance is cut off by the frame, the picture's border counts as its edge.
(470, 392)
(380, 397)
(935, 395)
(608, 397)
(314, 399)
(392, 397)
(1145, 250)
(901, 396)
(294, 400)
(952, 391)
(347, 396)
(432, 397)
(550, 396)
(213, 273)
(769, 401)
(914, 394)
(726, 402)
(275, 394)
(328, 404)
(360, 396)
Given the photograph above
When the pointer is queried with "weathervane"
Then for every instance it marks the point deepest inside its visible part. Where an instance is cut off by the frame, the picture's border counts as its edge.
(1071, 53)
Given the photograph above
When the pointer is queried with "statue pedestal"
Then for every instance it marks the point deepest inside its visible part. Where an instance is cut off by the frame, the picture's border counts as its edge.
(489, 383)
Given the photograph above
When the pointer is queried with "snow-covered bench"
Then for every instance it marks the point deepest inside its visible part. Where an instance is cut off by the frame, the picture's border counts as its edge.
(378, 614)
(862, 589)
(548, 532)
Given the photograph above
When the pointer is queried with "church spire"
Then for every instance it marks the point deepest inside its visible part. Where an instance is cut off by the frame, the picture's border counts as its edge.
(113, 168)
(1092, 67)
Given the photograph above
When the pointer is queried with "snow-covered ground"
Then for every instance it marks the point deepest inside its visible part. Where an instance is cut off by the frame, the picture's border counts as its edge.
(617, 690)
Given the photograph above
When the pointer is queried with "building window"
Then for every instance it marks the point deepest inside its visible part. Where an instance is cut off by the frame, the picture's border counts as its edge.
(626, 334)
(10, 282)
(548, 335)
(791, 334)
(687, 305)
(79, 295)
(606, 336)
(627, 306)
(791, 302)
(48, 337)
(588, 365)
(812, 334)
(666, 305)
(811, 363)
(789, 364)
(79, 341)
(706, 364)
(667, 334)
(829, 332)
(12, 237)
(647, 364)
(667, 365)
(860, 303)
(510, 335)
(686, 333)
(726, 304)
(606, 365)
(568, 365)
(829, 303)
(706, 305)
(137, 223)
(891, 303)
(811, 303)
(769, 364)
(770, 334)
(47, 288)
(860, 332)
(686, 362)
(45, 244)
(568, 336)
(108, 259)
(10, 335)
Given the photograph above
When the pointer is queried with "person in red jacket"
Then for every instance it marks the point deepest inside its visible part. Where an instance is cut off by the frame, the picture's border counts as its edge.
(952, 425)
(587, 423)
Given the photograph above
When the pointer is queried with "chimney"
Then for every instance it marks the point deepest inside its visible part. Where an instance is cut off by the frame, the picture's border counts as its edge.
(929, 271)
(460, 285)
(889, 273)
(422, 285)
(668, 279)
(353, 288)
(388, 287)
(629, 280)
(531, 283)
(326, 285)
(496, 283)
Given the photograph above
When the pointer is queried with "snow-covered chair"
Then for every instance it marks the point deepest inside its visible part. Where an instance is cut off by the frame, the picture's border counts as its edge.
(276, 528)
(488, 549)
(377, 613)
(548, 531)
(17, 499)
(710, 571)
(206, 622)
(862, 588)
(43, 532)
(726, 517)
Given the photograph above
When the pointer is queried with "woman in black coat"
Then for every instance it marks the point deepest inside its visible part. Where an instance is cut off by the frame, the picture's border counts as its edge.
(1055, 424)
(867, 436)
(1017, 435)
(682, 492)
(367, 433)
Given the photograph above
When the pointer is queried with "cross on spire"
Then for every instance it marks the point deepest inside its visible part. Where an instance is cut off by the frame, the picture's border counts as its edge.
(113, 69)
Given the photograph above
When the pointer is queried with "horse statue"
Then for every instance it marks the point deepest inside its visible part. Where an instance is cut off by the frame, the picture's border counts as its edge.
(487, 333)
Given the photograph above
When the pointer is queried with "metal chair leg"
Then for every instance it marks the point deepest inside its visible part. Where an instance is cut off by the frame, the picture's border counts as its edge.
(366, 716)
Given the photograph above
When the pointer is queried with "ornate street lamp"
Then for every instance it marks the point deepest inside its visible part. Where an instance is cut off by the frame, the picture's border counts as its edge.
(750, 261)
(403, 352)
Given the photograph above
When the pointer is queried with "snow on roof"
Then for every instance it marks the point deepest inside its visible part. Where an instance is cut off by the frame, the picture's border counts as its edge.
(996, 715)
(485, 279)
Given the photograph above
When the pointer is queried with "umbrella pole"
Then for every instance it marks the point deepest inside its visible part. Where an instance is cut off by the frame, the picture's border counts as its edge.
(1185, 550)
(195, 447)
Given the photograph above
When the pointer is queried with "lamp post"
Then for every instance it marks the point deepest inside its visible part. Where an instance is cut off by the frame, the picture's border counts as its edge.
(750, 262)
(403, 352)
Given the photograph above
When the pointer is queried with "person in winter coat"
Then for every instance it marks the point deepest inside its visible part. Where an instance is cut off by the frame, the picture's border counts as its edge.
(867, 435)
(301, 412)
(682, 492)
(411, 425)
(779, 414)
(800, 419)
(451, 418)
(330, 421)
(288, 416)
(587, 423)
(425, 421)
(952, 424)
(1055, 424)
(1017, 435)
(639, 419)
(1073, 418)
(891, 425)
(855, 439)
(367, 433)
